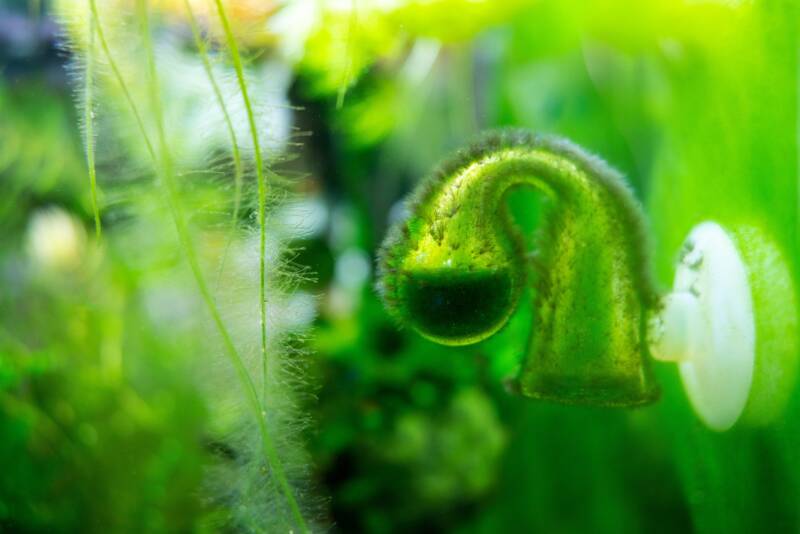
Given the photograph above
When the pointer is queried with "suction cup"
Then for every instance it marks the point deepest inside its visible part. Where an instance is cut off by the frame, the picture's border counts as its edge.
(730, 324)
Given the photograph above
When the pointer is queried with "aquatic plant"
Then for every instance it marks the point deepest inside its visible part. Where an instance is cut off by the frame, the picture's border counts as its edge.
(132, 98)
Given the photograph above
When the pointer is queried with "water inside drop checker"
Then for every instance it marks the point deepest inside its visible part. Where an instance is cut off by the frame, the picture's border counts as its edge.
(455, 269)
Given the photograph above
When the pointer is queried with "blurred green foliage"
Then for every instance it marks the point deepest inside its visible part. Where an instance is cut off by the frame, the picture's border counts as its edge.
(104, 421)
(91, 437)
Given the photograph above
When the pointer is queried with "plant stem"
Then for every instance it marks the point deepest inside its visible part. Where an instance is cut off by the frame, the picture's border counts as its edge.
(166, 172)
(262, 188)
(262, 194)
(88, 119)
(202, 48)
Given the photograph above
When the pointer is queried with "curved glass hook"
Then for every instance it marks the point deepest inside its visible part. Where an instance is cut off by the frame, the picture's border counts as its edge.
(456, 268)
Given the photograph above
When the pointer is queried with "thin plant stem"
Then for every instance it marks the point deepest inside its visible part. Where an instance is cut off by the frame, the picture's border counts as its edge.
(238, 168)
(120, 80)
(262, 196)
(348, 63)
(262, 188)
(165, 169)
(88, 119)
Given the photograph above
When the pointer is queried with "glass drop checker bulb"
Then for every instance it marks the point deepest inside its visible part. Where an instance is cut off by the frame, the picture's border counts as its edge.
(455, 269)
